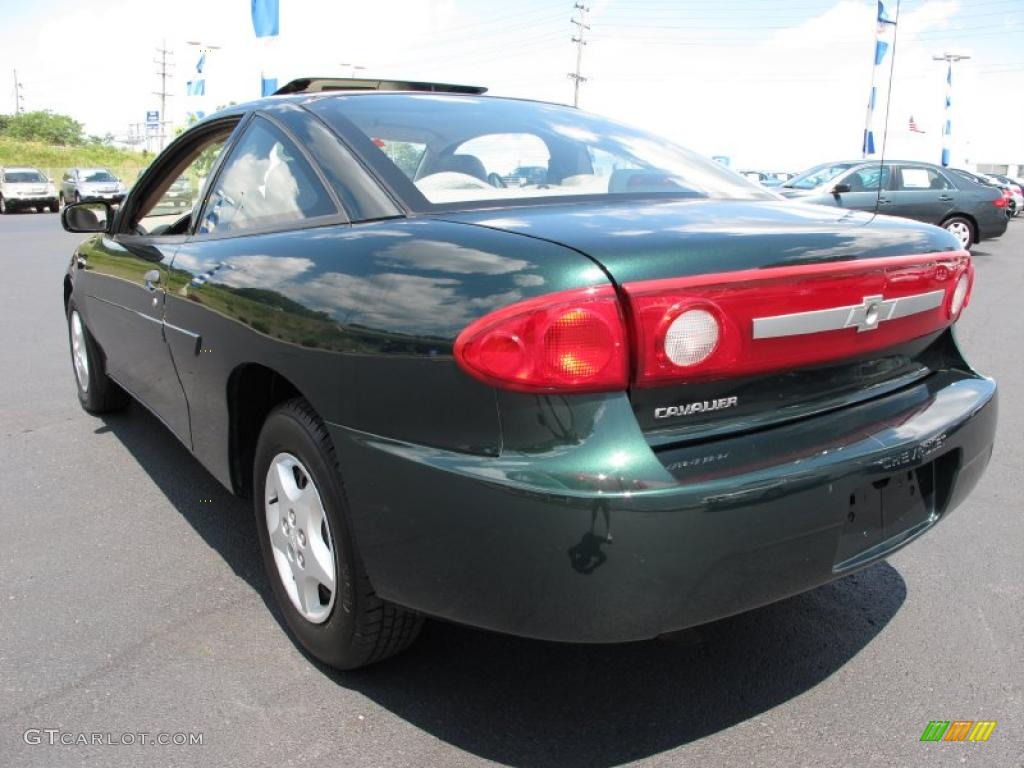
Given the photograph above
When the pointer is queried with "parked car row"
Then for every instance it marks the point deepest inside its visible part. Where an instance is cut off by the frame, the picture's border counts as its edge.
(26, 188)
(970, 209)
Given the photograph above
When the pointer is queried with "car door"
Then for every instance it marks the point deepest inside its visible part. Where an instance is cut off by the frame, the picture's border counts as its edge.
(868, 186)
(125, 278)
(250, 238)
(922, 192)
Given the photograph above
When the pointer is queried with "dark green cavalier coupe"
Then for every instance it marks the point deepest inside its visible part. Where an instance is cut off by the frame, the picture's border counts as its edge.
(621, 395)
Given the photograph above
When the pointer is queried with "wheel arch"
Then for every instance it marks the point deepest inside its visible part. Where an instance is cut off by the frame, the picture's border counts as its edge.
(960, 215)
(253, 390)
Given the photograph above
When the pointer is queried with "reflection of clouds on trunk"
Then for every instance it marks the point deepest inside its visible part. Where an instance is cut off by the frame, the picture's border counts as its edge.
(397, 302)
(434, 255)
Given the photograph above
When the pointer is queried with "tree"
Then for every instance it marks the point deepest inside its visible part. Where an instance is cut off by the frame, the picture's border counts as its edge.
(44, 126)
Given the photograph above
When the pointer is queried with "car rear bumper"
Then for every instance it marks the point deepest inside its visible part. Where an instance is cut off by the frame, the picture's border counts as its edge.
(105, 198)
(28, 201)
(993, 225)
(606, 540)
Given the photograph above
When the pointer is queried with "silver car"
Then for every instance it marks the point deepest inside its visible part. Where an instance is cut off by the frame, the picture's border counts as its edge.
(24, 187)
(91, 184)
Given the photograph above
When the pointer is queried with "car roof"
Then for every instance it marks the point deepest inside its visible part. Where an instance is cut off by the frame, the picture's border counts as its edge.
(19, 168)
(321, 84)
(279, 98)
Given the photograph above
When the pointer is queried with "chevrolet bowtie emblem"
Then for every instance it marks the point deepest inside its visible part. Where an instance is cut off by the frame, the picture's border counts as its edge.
(865, 316)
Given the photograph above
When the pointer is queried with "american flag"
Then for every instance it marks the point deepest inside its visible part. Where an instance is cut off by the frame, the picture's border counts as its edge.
(914, 127)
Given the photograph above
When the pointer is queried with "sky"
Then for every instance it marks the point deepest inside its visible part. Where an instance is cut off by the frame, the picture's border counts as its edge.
(771, 85)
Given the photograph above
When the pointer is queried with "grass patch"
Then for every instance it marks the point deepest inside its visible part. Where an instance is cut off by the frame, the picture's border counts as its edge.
(53, 161)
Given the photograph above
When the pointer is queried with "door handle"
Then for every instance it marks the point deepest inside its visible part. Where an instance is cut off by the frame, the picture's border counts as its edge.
(151, 278)
(884, 201)
(946, 198)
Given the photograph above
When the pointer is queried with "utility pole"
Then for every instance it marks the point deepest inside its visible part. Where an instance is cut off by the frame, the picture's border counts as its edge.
(18, 95)
(163, 74)
(581, 24)
(947, 126)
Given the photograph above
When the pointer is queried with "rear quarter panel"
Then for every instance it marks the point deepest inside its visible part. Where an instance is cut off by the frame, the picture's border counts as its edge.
(361, 319)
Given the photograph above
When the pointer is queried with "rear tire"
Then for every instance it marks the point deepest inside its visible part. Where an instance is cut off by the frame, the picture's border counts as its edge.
(300, 508)
(97, 392)
(963, 229)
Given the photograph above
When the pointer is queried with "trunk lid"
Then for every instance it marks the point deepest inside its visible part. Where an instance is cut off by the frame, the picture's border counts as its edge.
(641, 242)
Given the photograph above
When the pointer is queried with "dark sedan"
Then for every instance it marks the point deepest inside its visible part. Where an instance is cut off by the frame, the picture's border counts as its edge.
(635, 395)
(915, 190)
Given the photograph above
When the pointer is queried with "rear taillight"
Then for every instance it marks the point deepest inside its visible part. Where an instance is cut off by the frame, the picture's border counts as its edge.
(715, 326)
(778, 318)
(573, 341)
(1001, 202)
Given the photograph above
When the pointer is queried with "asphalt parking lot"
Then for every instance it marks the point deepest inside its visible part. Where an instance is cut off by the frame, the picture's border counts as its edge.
(132, 601)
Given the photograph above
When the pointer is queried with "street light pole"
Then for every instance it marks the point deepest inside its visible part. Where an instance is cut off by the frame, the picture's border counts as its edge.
(947, 126)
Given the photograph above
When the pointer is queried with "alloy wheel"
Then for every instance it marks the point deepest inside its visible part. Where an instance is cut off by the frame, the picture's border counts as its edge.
(962, 231)
(300, 537)
(79, 354)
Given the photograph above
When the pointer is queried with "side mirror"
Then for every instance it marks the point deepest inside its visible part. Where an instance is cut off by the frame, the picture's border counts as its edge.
(86, 217)
(838, 189)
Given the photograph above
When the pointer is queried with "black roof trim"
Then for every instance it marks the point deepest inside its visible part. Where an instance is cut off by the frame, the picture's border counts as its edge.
(320, 84)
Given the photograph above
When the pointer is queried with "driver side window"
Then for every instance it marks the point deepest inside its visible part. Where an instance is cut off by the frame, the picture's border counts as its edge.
(170, 208)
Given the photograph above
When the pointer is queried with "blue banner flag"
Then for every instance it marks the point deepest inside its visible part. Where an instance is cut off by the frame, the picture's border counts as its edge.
(201, 63)
(266, 18)
(885, 31)
(196, 87)
(947, 127)
(267, 86)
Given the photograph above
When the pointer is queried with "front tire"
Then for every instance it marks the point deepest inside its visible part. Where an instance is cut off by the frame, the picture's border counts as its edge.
(97, 392)
(963, 229)
(3, 206)
(308, 551)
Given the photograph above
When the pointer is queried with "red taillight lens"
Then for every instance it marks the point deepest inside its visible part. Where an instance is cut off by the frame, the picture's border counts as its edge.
(715, 326)
(1001, 202)
(778, 318)
(573, 341)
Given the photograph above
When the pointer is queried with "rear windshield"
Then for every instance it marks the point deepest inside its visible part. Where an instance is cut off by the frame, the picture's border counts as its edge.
(462, 149)
(23, 177)
(818, 175)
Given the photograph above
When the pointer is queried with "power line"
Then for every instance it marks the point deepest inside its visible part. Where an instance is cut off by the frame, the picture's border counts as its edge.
(583, 27)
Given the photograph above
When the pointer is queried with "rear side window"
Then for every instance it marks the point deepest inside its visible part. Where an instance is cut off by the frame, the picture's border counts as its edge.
(266, 182)
(922, 178)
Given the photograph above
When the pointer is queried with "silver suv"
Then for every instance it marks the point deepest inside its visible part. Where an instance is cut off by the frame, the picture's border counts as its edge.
(25, 187)
(91, 184)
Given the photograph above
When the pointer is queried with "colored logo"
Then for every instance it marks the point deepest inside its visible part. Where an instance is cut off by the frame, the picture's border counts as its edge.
(958, 730)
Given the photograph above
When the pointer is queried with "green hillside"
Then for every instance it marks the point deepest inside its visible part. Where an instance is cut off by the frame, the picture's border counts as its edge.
(53, 160)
